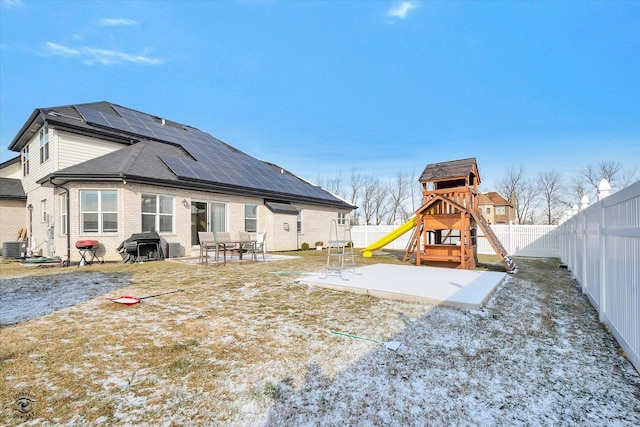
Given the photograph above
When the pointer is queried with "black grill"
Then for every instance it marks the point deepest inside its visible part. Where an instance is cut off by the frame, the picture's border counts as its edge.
(141, 247)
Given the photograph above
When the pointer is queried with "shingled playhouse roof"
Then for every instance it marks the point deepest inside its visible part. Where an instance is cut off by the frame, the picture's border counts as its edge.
(454, 169)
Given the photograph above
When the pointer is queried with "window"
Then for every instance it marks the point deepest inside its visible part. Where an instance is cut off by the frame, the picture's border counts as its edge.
(43, 211)
(44, 143)
(488, 211)
(251, 218)
(25, 161)
(157, 213)
(218, 218)
(98, 211)
(342, 218)
(299, 222)
(500, 210)
(63, 214)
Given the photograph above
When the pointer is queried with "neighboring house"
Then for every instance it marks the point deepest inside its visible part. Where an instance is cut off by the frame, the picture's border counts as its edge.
(496, 209)
(13, 201)
(102, 172)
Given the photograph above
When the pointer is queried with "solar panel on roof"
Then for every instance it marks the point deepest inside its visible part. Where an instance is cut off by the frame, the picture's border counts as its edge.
(118, 123)
(92, 116)
(215, 161)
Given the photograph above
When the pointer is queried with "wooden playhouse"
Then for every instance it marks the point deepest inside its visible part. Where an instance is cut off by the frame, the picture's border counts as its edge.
(447, 221)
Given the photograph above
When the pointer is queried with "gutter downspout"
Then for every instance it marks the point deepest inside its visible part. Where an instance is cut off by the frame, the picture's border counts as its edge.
(67, 262)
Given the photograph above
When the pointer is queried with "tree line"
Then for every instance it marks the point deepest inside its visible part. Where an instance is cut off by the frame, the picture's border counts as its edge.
(540, 199)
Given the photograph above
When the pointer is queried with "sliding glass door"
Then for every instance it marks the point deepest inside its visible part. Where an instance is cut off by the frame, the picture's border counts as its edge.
(205, 216)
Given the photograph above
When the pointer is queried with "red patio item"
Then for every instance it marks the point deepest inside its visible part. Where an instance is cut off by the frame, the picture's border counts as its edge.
(129, 300)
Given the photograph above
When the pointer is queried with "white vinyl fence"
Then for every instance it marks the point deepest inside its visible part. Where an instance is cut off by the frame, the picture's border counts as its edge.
(519, 240)
(601, 247)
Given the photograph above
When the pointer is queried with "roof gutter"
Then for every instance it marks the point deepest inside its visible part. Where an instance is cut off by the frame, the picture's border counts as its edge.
(195, 185)
(67, 262)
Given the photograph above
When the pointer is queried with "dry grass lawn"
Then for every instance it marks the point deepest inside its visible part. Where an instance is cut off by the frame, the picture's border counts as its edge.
(238, 345)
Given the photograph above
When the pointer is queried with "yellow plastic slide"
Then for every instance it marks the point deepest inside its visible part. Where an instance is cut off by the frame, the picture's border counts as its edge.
(384, 241)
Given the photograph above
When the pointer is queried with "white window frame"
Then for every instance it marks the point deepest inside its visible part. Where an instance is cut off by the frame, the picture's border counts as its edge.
(158, 214)
(342, 218)
(44, 143)
(25, 160)
(251, 218)
(43, 211)
(299, 222)
(100, 213)
(501, 210)
(63, 214)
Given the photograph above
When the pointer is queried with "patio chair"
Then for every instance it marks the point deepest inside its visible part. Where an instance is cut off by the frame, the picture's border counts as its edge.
(207, 241)
(259, 245)
(247, 244)
(223, 241)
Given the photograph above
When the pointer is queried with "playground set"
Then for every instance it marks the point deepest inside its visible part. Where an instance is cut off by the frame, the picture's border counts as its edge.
(445, 226)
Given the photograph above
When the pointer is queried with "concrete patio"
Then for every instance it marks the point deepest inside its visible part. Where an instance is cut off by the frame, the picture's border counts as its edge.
(421, 284)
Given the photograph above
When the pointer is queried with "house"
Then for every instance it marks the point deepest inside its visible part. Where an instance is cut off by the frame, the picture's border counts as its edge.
(100, 171)
(496, 209)
(12, 201)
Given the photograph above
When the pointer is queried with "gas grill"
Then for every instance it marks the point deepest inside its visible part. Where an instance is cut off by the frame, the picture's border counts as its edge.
(141, 247)
(88, 248)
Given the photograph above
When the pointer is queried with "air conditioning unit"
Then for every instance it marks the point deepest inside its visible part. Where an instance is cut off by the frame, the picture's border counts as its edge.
(172, 250)
(14, 249)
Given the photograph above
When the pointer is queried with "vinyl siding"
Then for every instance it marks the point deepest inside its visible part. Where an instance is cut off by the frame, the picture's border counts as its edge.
(74, 149)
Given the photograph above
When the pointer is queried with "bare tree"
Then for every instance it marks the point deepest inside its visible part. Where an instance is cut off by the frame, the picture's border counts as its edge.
(355, 187)
(514, 186)
(551, 190)
(628, 177)
(398, 195)
(415, 190)
(606, 169)
(332, 185)
(575, 191)
(381, 205)
(369, 189)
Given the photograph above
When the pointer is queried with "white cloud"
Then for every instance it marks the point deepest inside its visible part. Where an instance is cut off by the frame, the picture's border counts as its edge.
(60, 50)
(402, 9)
(8, 4)
(115, 22)
(92, 56)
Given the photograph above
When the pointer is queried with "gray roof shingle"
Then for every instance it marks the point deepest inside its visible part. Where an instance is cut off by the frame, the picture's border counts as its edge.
(167, 152)
(11, 189)
(448, 170)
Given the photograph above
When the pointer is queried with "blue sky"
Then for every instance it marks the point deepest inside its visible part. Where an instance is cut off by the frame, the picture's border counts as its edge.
(325, 86)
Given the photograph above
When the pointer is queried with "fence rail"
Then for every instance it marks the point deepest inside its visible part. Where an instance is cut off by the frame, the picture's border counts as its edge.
(601, 247)
(518, 240)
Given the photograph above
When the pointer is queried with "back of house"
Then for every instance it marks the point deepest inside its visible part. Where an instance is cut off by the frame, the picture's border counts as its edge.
(100, 171)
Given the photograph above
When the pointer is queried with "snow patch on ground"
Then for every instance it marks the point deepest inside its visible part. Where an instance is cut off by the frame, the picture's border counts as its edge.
(29, 297)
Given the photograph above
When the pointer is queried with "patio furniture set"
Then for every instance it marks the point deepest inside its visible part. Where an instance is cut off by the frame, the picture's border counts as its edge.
(242, 242)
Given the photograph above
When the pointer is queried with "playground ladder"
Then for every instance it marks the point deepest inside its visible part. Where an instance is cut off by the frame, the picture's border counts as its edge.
(340, 251)
(508, 263)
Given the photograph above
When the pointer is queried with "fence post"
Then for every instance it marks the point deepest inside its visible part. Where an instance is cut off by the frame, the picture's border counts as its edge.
(366, 235)
(510, 248)
(602, 260)
(583, 251)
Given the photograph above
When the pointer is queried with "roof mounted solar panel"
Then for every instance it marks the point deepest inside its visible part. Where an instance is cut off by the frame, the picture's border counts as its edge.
(207, 159)
(92, 116)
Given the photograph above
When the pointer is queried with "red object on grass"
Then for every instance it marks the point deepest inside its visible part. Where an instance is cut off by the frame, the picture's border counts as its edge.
(87, 244)
(126, 300)
(129, 300)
